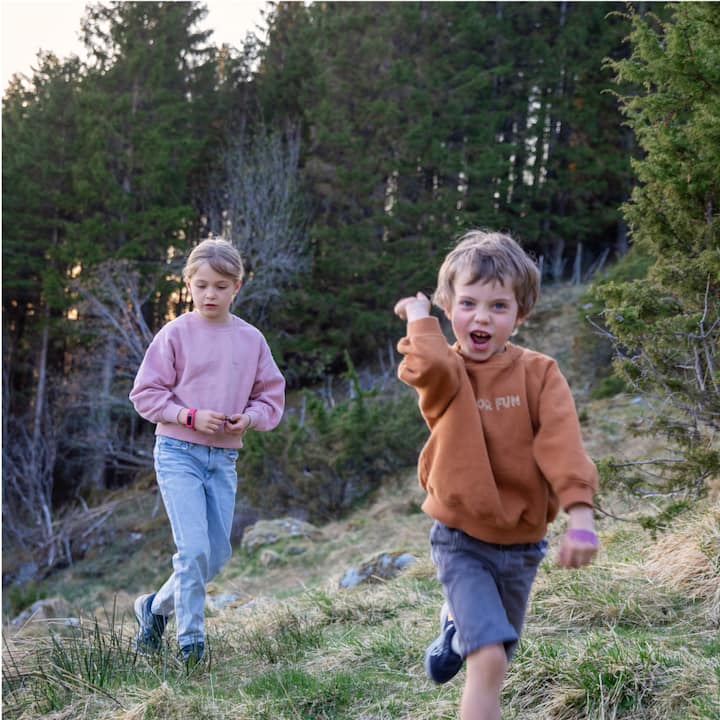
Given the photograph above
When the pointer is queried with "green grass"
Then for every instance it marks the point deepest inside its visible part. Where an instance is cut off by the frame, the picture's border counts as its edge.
(632, 637)
(603, 642)
(635, 636)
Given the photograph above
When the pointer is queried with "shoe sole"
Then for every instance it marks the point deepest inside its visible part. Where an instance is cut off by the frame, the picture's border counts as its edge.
(138, 608)
(439, 641)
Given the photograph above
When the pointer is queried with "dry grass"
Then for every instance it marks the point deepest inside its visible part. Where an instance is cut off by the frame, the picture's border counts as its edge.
(629, 638)
(687, 560)
(633, 637)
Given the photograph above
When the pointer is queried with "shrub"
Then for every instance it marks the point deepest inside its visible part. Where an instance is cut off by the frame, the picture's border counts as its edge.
(666, 326)
(326, 457)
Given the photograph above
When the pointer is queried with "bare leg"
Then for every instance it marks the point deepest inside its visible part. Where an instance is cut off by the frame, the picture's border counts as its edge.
(486, 669)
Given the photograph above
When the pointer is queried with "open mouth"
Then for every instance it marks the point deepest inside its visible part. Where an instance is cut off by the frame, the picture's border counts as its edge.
(480, 338)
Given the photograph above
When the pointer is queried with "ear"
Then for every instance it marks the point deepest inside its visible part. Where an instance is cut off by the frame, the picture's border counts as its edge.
(238, 285)
(448, 312)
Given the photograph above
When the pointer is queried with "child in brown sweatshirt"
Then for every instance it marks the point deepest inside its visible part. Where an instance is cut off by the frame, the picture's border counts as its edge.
(504, 454)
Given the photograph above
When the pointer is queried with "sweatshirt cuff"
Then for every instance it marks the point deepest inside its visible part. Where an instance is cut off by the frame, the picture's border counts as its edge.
(170, 414)
(577, 496)
(429, 325)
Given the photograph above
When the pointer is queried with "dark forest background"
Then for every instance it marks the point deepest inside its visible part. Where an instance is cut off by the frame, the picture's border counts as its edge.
(343, 153)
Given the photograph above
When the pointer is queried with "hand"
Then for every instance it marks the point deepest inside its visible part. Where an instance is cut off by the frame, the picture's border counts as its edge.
(579, 544)
(237, 424)
(413, 308)
(209, 421)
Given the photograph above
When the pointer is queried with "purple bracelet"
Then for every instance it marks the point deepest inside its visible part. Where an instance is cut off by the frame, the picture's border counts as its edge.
(586, 536)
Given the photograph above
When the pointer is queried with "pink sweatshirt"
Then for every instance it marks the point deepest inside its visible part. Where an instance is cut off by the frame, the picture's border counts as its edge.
(195, 363)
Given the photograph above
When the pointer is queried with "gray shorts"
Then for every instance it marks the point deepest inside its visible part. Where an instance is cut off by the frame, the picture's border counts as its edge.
(486, 585)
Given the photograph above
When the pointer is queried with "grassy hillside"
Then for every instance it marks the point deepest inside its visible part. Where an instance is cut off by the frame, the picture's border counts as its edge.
(635, 636)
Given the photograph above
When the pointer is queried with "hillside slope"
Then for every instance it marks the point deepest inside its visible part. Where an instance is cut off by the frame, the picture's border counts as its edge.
(635, 636)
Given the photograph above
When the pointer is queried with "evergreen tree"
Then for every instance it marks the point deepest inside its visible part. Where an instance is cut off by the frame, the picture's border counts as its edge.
(40, 144)
(423, 119)
(141, 146)
(570, 166)
(667, 326)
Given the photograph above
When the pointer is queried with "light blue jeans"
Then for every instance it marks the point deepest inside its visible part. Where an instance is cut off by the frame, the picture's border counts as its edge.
(198, 485)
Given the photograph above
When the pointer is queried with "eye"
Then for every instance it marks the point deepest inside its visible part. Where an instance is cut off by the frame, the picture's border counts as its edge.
(501, 306)
(466, 303)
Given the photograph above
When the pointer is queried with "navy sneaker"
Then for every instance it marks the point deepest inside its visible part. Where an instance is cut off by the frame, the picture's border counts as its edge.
(192, 654)
(152, 626)
(442, 663)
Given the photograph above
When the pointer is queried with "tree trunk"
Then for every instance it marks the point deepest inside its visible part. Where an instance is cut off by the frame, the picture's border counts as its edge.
(96, 474)
(621, 238)
(41, 391)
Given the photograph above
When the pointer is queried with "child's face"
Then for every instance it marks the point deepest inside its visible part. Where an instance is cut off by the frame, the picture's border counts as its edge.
(483, 316)
(212, 293)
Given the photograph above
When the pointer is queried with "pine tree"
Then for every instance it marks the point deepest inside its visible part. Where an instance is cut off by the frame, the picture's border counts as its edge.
(40, 143)
(141, 144)
(667, 326)
(423, 119)
(570, 168)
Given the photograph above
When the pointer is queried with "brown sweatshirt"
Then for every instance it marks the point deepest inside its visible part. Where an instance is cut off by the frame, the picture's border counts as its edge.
(505, 449)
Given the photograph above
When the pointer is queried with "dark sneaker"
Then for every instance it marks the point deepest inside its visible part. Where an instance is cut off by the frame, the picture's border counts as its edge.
(442, 663)
(191, 655)
(152, 626)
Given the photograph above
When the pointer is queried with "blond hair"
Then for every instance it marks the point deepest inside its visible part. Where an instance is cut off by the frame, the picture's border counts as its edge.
(221, 255)
(489, 257)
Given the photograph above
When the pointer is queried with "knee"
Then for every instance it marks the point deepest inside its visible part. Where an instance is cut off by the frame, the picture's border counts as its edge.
(194, 560)
(218, 558)
(487, 665)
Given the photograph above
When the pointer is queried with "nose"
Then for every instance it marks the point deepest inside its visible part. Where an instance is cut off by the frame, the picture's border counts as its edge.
(481, 313)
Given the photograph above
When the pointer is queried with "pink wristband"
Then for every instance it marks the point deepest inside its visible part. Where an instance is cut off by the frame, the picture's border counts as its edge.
(586, 536)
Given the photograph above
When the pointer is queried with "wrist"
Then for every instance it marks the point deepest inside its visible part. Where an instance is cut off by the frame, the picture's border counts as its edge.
(187, 417)
(581, 517)
(581, 535)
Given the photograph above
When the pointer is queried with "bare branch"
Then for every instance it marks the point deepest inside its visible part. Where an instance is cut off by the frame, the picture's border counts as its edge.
(255, 203)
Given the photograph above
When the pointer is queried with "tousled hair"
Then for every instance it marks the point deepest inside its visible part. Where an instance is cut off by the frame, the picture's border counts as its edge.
(221, 255)
(490, 257)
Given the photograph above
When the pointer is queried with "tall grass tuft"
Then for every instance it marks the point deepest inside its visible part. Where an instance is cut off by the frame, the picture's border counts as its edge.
(687, 559)
(73, 658)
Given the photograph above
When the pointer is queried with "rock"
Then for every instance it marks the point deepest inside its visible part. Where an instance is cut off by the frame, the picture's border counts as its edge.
(55, 607)
(268, 558)
(26, 572)
(384, 566)
(268, 532)
(295, 550)
(221, 600)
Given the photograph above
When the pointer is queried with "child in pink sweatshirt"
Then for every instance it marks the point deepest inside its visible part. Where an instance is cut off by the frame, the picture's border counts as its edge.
(206, 379)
